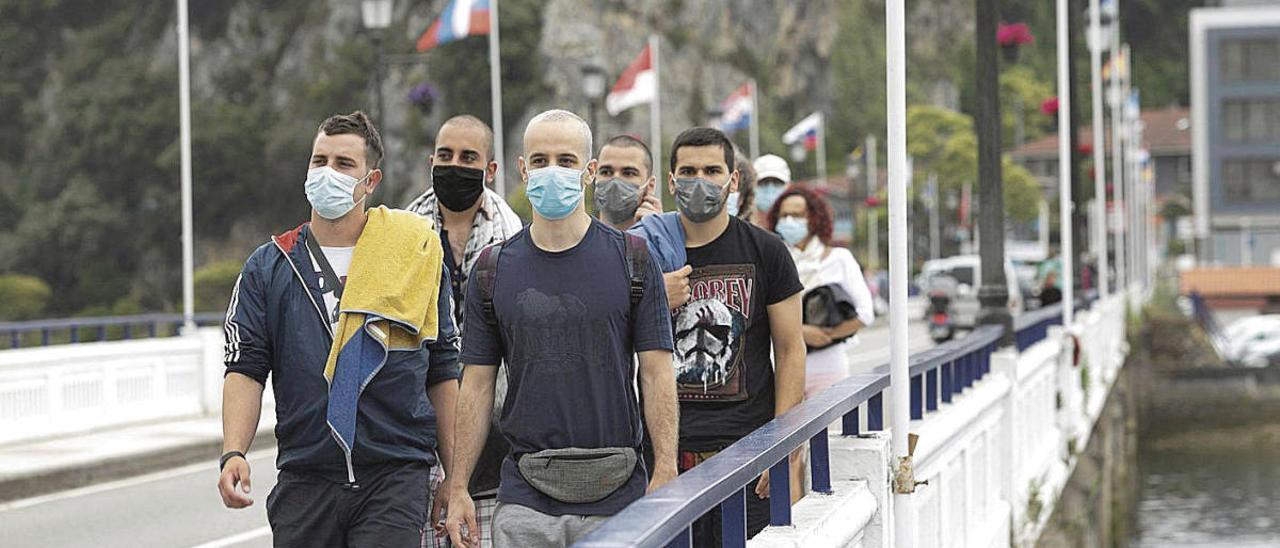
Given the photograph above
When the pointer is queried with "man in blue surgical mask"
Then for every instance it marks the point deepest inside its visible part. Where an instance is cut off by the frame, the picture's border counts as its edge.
(360, 387)
(565, 304)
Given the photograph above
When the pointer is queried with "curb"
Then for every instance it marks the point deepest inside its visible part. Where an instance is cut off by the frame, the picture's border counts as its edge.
(81, 475)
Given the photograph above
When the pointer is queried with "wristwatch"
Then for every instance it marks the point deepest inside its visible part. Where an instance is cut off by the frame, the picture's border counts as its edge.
(222, 462)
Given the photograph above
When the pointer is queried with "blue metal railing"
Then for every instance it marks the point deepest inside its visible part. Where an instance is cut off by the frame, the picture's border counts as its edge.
(665, 517)
(75, 330)
(1033, 327)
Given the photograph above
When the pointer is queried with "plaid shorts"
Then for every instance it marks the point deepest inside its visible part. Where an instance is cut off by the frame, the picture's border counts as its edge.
(485, 507)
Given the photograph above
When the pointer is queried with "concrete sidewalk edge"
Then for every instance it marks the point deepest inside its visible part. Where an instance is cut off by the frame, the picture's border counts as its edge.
(82, 475)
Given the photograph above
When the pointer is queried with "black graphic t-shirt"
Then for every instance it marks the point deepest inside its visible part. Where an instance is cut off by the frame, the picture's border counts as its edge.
(723, 355)
(567, 333)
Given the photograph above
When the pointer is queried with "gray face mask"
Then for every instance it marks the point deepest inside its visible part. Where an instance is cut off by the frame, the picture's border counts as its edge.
(698, 199)
(617, 200)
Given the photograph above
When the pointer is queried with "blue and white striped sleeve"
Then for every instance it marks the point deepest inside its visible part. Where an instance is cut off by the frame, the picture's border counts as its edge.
(246, 349)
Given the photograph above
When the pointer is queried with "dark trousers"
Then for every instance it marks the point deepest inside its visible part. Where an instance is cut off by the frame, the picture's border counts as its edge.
(707, 529)
(385, 508)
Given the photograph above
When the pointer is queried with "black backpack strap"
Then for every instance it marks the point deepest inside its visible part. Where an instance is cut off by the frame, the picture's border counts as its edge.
(486, 275)
(637, 265)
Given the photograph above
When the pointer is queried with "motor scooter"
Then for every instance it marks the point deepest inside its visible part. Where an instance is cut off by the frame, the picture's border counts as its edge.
(941, 325)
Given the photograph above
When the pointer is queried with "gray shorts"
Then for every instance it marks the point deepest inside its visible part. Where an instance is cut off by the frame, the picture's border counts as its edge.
(516, 526)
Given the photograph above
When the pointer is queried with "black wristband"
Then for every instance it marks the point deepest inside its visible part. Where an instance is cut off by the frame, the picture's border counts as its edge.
(222, 462)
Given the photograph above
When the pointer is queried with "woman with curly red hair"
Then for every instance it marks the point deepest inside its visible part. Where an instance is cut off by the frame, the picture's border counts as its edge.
(804, 220)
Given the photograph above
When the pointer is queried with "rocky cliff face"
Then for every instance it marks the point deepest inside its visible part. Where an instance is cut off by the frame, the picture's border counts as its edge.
(707, 48)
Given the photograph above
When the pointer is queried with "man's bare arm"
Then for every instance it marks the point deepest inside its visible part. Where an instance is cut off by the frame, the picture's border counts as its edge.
(444, 398)
(788, 353)
(241, 409)
(475, 404)
(661, 412)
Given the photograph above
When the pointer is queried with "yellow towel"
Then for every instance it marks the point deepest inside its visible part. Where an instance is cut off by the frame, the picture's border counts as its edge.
(393, 286)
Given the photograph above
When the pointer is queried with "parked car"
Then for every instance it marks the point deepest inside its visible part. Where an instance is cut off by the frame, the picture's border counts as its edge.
(964, 269)
(1253, 341)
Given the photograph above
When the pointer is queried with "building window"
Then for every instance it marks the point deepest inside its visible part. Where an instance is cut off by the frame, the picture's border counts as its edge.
(1251, 60)
(1251, 179)
(1251, 120)
(1184, 169)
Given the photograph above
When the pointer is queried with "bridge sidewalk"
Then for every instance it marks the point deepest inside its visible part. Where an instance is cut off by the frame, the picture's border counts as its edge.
(45, 466)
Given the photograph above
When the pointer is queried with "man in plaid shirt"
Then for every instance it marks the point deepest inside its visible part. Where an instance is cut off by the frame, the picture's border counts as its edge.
(470, 217)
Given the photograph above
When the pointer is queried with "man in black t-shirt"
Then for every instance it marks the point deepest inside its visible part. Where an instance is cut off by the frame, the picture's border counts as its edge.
(563, 320)
(744, 298)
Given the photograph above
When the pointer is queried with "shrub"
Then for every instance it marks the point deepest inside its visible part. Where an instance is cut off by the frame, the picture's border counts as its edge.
(213, 284)
(23, 297)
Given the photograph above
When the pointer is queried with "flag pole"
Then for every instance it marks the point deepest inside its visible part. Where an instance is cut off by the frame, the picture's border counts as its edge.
(899, 374)
(184, 122)
(1099, 151)
(495, 87)
(754, 129)
(1065, 204)
(655, 118)
(822, 149)
(1119, 143)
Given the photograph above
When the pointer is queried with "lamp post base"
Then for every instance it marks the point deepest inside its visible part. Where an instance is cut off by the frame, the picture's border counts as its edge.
(995, 310)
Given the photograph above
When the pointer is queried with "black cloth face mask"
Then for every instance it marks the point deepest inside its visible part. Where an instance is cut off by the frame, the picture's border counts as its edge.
(457, 187)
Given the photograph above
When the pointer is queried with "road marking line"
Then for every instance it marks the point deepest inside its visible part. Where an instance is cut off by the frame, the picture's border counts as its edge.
(237, 538)
(122, 483)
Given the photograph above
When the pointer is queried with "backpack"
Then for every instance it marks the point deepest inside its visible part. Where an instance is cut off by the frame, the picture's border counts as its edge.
(637, 255)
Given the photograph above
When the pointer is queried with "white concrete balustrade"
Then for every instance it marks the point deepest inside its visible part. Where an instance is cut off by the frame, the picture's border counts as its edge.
(76, 388)
(995, 459)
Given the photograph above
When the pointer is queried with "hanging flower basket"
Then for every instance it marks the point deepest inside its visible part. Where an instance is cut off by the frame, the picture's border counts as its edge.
(1010, 37)
(424, 96)
(1050, 107)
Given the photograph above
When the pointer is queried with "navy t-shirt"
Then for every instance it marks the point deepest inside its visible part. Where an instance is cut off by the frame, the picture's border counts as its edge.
(568, 332)
(723, 357)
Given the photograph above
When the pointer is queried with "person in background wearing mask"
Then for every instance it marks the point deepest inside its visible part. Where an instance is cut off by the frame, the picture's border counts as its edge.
(569, 302)
(741, 203)
(624, 186)
(744, 300)
(624, 194)
(470, 216)
(360, 385)
(772, 176)
(804, 220)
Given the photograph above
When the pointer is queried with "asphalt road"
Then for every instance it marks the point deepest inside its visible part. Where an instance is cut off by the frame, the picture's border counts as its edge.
(180, 508)
(177, 508)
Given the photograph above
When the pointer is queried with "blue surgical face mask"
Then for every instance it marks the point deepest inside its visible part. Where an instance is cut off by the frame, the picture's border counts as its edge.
(766, 195)
(731, 203)
(331, 191)
(554, 191)
(792, 229)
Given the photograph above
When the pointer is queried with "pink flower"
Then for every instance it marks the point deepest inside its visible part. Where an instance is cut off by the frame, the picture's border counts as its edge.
(1049, 106)
(1014, 34)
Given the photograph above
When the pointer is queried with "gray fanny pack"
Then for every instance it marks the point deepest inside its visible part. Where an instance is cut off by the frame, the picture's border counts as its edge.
(578, 476)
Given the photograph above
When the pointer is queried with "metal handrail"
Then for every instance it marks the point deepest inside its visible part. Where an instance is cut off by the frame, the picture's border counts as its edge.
(664, 517)
(13, 332)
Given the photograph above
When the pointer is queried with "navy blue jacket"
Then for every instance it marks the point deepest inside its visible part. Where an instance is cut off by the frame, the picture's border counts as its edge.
(275, 326)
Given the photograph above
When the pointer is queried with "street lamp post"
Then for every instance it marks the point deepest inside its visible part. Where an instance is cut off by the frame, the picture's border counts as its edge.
(376, 15)
(993, 292)
(593, 88)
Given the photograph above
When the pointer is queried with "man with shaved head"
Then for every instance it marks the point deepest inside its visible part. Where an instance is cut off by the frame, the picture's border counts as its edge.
(470, 217)
(564, 305)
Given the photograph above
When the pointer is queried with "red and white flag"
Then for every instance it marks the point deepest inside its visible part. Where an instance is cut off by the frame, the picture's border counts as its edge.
(638, 85)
